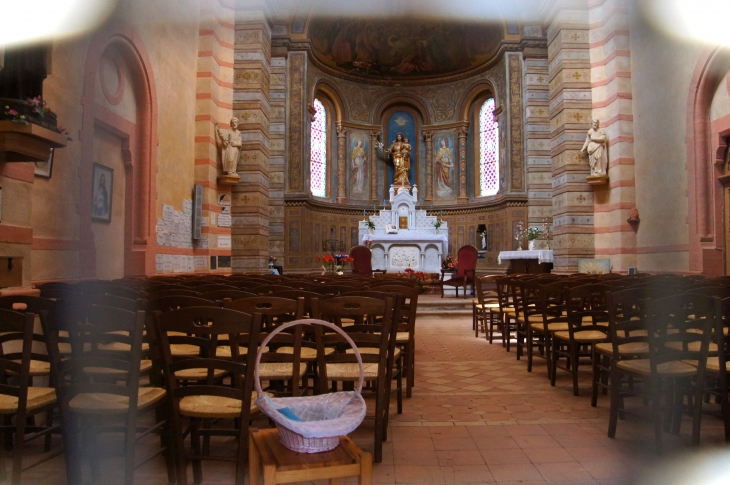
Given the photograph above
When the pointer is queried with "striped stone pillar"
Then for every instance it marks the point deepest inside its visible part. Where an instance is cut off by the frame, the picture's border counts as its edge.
(537, 127)
(569, 72)
(252, 105)
(214, 93)
(462, 133)
(341, 181)
(612, 105)
(428, 137)
(277, 157)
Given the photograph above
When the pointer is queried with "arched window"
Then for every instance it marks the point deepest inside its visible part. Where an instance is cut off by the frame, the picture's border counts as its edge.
(488, 150)
(318, 162)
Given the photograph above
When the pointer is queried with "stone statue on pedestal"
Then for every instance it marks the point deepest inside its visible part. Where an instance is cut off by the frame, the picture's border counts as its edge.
(231, 142)
(596, 148)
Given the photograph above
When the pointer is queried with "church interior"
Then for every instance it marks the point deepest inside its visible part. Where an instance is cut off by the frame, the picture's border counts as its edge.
(516, 213)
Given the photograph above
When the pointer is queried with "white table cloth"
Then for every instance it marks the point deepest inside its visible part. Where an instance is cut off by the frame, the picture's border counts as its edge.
(542, 256)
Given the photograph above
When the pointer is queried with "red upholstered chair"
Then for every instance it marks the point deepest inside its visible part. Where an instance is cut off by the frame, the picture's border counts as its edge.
(362, 263)
(465, 270)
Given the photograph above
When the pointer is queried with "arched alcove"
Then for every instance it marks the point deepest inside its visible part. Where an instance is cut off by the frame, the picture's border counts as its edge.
(129, 124)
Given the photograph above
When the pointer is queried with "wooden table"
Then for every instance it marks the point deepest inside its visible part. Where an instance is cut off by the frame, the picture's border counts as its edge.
(281, 465)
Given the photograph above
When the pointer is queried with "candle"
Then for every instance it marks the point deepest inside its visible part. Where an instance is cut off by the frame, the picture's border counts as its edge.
(373, 206)
(442, 213)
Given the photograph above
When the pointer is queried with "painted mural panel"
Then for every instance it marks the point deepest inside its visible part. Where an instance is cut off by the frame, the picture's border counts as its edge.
(358, 148)
(402, 47)
(403, 122)
(443, 166)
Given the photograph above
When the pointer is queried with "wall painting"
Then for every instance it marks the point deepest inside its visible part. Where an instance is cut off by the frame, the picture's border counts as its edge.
(444, 181)
(358, 148)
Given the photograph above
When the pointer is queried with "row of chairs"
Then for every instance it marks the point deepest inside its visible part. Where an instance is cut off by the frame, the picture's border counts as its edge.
(663, 336)
(73, 331)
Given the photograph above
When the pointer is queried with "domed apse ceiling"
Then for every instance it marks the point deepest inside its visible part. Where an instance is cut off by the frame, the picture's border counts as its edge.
(402, 48)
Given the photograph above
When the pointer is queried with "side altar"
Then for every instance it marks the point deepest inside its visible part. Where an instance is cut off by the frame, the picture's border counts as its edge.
(405, 237)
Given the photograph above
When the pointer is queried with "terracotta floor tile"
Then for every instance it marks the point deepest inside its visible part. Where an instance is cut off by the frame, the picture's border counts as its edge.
(548, 455)
(412, 443)
(608, 469)
(536, 441)
(451, 432)
(514, 472)
(467, 474)
(460, 457)
(563, 471)
(526, 430)
(496, 442)
(414, 457)
(383, 473)
(504, 456)
(418, 474)
(455, 444)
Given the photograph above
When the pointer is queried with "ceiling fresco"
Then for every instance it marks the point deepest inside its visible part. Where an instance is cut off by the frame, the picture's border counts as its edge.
(404, 48)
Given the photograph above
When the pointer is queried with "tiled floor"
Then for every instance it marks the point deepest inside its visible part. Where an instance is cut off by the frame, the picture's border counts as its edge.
(478, 416)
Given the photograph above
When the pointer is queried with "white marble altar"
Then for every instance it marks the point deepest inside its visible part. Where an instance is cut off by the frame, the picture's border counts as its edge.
(419, 246)
(542, 256)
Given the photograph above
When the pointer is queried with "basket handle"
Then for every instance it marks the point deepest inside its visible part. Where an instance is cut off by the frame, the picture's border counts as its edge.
(307, 321)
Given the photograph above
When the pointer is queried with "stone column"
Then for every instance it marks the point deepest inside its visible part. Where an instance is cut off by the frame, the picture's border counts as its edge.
(462, 132)
(374, 134)
(214, 92)
(569, 71)
(277, 156)
(612, 105)
(341, 155)
(250, 204)
(428, 136)
(537, 127)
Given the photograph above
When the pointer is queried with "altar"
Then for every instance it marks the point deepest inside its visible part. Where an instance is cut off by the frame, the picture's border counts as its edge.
(527, 262)
(405, 237)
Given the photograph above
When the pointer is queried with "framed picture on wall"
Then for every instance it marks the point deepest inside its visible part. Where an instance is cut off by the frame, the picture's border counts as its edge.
(101, 198)
(44, 169)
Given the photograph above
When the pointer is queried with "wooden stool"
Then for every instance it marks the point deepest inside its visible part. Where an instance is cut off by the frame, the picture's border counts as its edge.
(281, 465)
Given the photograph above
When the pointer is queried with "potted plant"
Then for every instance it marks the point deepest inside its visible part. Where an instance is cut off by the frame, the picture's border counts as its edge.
(449, 263)
(371, 226)
(438, 225)
(532, 234)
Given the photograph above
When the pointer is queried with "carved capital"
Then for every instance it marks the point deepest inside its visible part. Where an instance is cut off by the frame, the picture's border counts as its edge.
(312, 112)
(427, 135)
(463, 131)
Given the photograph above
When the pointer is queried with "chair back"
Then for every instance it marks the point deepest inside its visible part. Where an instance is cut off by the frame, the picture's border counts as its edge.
(340, 289)
(16, 342)
(227, 294)
(467, 262)
(176, 292)
(169, 303)
(131, 305)
(268, 289)
(587, 309)
(213, 287)
(627, 322)
(274, 310)
(721, 292)
(362, 260)
(204, 326)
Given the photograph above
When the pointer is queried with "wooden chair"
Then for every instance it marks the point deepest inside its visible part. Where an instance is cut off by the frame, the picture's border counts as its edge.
(220, 295)
(339, 289)
(173, 292)
(268, 289)
(378, 362)
(482, 314)
(213, 399)
(362, 261)
(680, 328)
(406, 332)
(392, 282)
(465, 270)
(717, 366)
(86, 402)
(17, 398)
(296, 294)
(587, 326)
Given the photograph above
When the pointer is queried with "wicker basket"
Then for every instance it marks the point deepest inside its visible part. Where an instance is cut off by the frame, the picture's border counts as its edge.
(324, 418)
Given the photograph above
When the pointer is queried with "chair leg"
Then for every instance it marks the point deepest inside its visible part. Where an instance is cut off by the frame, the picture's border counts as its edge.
(615, 402)
(697, 413)
(19, 448)
(596, 375)
(411, 370)
(554, 366)
(195, 445)
(129, 449)
(379, 418)
(656, 404)
(574, 369)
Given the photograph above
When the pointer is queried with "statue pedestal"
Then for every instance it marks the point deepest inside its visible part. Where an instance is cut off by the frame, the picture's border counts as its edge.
(597, 179)
(229, 179)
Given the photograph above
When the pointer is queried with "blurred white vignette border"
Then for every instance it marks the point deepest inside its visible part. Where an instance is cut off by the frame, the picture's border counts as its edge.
(700, 20)
(27, 21)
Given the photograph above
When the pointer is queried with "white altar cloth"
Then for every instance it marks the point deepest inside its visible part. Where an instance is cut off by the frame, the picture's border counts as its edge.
(542, 256)
(418, 250)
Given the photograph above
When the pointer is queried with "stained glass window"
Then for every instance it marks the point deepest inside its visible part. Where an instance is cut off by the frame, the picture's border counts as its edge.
(318, 163)
(488, 150)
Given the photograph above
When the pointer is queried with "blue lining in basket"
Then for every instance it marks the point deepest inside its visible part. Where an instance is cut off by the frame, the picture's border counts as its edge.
(285, 411)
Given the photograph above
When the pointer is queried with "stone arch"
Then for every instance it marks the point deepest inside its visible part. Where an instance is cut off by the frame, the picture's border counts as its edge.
(139, 151)
(483, 89)
(704, 190)
(401, 99)
(333, 94)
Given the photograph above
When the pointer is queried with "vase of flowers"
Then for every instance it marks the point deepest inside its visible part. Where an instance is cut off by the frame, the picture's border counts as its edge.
(438, 225)
(419, 276)
(371, 226)
(532, 234)
(449, 262)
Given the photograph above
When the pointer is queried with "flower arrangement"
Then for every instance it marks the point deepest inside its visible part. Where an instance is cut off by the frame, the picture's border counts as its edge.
(419, 276)
(272, 260)
(438, 223)
(533, 233)
(333, 263)
(40, 107)
(449, 263)
(13, 115)
(371, 224)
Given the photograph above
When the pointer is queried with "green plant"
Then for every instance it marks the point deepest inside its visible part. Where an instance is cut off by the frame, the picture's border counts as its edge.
(371, 224)
(438, 223)
(533, 233)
